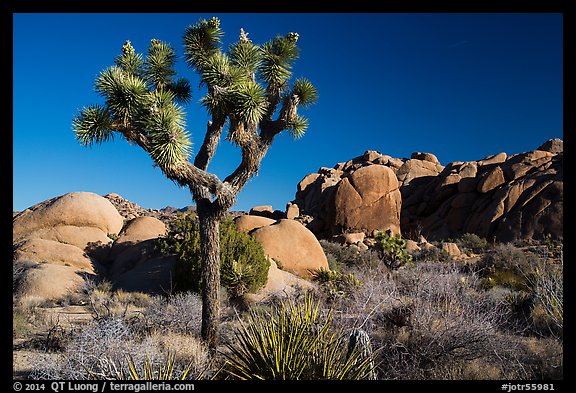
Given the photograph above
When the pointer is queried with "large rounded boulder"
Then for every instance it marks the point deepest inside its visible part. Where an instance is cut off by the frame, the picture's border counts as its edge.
(80, 209)
(294, 248)
(63, 240)
(367, 200)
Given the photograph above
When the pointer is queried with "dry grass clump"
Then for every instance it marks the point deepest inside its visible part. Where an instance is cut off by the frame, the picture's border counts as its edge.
(181, 313)
(108, 348)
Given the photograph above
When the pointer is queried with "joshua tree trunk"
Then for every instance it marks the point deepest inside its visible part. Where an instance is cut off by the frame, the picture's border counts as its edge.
(210, 241)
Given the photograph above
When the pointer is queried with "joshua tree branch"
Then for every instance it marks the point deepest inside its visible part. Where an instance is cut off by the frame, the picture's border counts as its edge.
(211, 139)
(183, 173)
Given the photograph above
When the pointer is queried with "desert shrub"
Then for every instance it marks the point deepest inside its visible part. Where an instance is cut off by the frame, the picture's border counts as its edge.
(472, 242)
(108, 348)
(186, 349)
(335, 284)
(339, 256)
(547, 284)
(393, 249)
(430, 254)
(505, 265)
(293, 341)
(104, 302)
(243, 264)
(180, 313)
(149, 370)
(19, 270)
(20, 323)
(529, 358)
(444, 323)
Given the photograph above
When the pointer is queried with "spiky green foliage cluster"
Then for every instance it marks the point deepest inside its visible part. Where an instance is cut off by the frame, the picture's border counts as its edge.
(336, 284)
(243, 265)
(393, 249)
(293, 341)
(248, 81)
(148, 371)
(141, 96)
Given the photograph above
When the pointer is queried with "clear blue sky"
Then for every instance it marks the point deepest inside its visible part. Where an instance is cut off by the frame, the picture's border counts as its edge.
(461, 86)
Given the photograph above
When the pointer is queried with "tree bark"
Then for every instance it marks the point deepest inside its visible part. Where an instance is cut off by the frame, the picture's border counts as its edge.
(210, 252)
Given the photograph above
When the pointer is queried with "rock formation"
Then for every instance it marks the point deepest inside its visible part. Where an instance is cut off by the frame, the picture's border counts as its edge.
(290, 244)
(58, 241)
(500, 196)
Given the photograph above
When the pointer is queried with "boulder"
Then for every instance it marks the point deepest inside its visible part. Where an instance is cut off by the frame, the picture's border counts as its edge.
(133, 235)
(154, 275)
(55, 253)
(367, 200)
(247, 223)
(82, 237)
(493, 159)
(80, 209)
(491, 180)
(280, 284)
(127, 256)
(451, 249)
(425, 157)
(47, 281)
(261, 210)
(555, 145)
(353, 238)
(292, 210)
(294, 248)
(414, 168)
(140, 229)
(308, 180)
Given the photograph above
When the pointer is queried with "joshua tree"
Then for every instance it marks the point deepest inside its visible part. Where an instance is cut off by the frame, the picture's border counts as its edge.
(247, 89)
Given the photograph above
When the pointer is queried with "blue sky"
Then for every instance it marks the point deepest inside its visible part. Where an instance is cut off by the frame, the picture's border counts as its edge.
(462, 86)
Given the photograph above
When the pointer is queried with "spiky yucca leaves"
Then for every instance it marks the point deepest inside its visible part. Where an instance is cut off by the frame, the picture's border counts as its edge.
(201, 42)
(306, 92)
(249, 102)
(93, 124)
(293, 341)
(163, 371)
(124, 93)
(277, 58)
(297, 126)
(247, 82)
(141, 96)
(246, 55)
(160, 61)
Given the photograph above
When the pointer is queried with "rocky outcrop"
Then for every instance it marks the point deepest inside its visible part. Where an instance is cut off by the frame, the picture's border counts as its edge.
(280, 283)
(248, 222)
(366, 200)
(499, 196)
(294, 248)
(127, 209)
(67, 236)
(134, 245)
(502, 197)
(79, 209)
(359, 195)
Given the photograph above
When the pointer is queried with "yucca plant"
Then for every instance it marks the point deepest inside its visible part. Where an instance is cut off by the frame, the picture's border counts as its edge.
(247, 88)
(336, 284)
(294, 341)
(162, 371)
